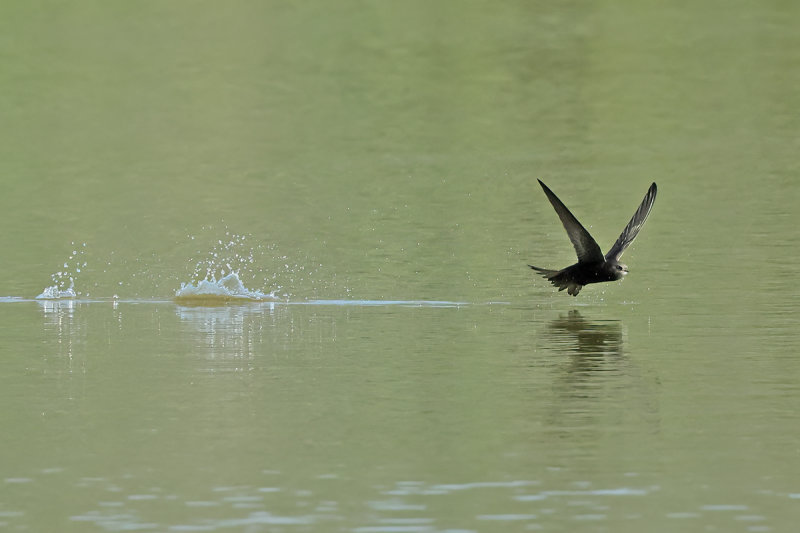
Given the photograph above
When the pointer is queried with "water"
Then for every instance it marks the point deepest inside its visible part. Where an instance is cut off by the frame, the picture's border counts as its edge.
(353, 188)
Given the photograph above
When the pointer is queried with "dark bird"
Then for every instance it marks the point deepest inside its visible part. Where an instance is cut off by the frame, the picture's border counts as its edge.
(592, 265)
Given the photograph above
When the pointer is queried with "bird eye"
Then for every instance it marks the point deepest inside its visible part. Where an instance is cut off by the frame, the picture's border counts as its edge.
(619, 267)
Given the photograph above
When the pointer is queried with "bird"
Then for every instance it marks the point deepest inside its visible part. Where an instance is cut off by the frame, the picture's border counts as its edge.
(592, 265)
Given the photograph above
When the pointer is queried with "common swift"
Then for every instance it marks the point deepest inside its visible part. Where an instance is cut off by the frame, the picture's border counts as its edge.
(592, 265)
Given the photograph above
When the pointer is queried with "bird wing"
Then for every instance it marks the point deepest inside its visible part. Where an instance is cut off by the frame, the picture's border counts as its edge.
(585, 246)
(632, 229)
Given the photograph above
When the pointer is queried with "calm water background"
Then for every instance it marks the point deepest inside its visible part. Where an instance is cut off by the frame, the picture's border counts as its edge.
(389, 151)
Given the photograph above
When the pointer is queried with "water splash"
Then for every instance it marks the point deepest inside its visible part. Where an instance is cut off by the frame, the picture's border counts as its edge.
(260, 264)
(233, 254)
(217, 276)
(233, 268)
(55, 292)
(220, 264)
(64, 280)
(229, 287)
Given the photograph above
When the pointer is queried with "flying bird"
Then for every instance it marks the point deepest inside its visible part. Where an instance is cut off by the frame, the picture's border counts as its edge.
(592, 265)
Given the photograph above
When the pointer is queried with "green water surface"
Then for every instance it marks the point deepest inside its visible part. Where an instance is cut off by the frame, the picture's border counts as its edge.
(351, 156)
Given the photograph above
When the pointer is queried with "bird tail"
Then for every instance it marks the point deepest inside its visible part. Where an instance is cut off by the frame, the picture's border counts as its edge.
(544, 271)
(560, 279)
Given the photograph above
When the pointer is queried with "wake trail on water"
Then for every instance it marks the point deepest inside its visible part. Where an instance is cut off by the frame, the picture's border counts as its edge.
(229, 270)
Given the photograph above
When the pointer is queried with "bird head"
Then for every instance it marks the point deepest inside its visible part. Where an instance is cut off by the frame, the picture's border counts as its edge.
(618, 270)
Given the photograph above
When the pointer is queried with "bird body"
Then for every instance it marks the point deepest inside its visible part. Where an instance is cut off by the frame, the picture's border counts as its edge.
(574, 277)
(592, 265)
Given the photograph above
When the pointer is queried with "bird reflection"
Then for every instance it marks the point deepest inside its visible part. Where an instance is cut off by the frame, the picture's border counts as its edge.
(596, 346)
(593, 382)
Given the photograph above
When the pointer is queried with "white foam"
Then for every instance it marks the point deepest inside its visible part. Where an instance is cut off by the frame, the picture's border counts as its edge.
(229, 287)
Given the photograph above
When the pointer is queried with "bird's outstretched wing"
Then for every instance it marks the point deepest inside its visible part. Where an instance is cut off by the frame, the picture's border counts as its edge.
(632, 229)
(585, 246)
